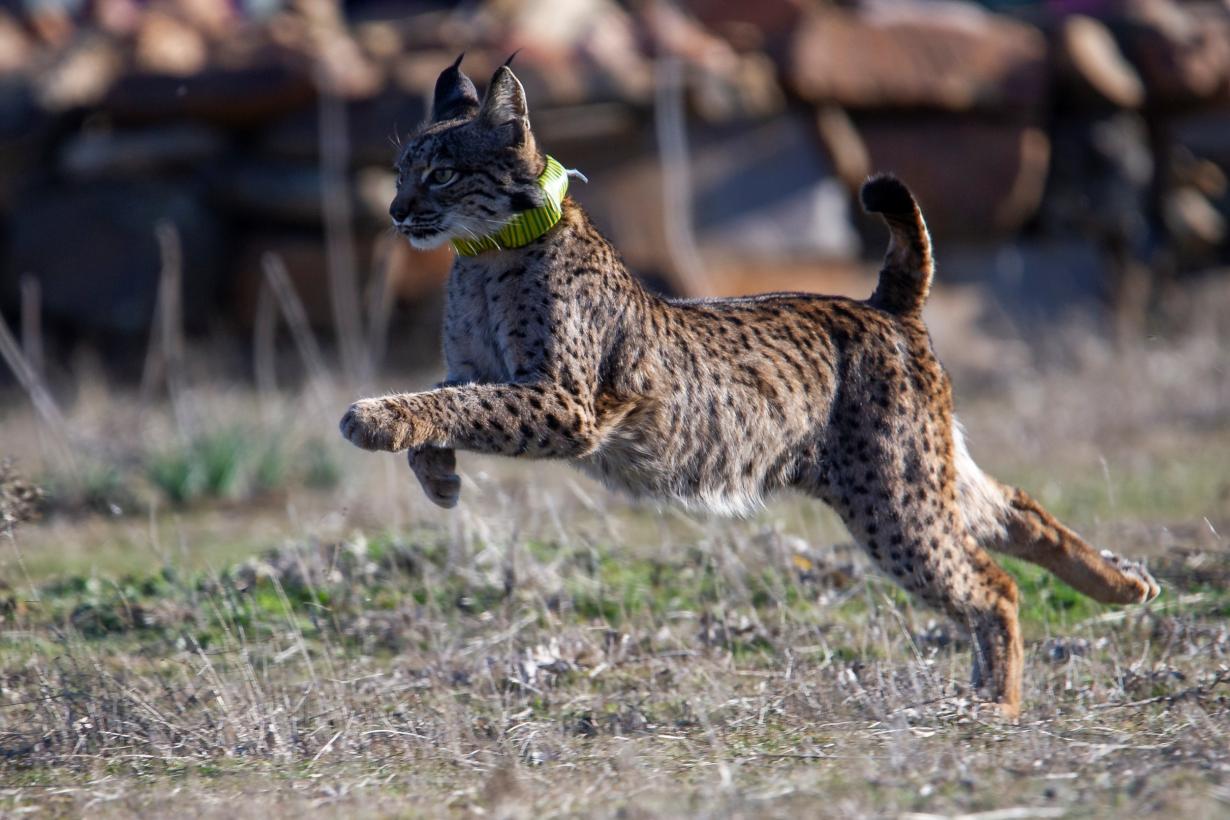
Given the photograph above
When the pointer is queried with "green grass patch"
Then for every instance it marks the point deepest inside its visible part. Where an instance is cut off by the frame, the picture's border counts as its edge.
(1047, 603)
(223, 464)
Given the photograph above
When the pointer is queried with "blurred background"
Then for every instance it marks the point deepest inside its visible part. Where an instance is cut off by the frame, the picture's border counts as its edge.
(194, 193)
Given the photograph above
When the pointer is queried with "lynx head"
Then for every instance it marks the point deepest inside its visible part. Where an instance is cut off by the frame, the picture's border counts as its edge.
(472, 167)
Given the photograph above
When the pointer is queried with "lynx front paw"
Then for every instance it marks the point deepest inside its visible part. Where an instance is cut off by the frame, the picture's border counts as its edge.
(382, 424)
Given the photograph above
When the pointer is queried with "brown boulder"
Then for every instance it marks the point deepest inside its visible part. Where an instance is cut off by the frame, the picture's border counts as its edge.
(943, 55)
(973, 177)
(1181, 52)
(93, 249)
(306, 264)
(411, 275)
(240, 97)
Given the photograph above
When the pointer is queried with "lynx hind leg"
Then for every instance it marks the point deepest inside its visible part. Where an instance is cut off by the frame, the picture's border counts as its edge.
(1033, 534)
(949, 572)
(436, 470)
(989, 605)
(916, 536)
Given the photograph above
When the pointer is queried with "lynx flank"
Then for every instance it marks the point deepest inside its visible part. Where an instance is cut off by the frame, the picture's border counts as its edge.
(555, 351)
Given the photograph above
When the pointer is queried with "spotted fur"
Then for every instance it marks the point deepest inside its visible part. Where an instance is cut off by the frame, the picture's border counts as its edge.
(555, 351)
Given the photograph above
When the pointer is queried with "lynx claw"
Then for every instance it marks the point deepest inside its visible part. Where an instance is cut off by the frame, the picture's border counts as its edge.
(1149, 588)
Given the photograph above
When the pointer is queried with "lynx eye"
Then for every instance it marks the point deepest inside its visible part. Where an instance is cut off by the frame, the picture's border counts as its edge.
(441, 176)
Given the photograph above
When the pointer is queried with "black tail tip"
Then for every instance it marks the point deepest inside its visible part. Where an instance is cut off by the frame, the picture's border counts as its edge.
(885, 194)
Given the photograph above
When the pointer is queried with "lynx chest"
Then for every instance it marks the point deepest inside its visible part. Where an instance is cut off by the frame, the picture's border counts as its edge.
(496, 320)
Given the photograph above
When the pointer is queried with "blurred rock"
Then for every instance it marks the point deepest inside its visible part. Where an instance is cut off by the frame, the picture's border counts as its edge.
(15, 47)
(580, 51)
(943, 55)
(81, 75)
(166, 45)
(93, 249)
(238, 98)
(765, 25)
(1089, 61)
(52, 23)
(1182, 51)
(1002, 176)
(286, 193)
(978, 111)
(117, 153)
(749, 203)
(1191, 219)
(342, 68)
(414, 275)
(24, 130)
(411, 275)
(379, 39)
(374, 127)
(844, 145)
(117, 17)
(1197, 172)
(749, 90)
(1205, 134)
(375, 188)
(1101, 175)
(306, 264)
(593, 136)
(746, 201)
(214, 18)
(1032, 280)
(1101, 192)
(271, 192)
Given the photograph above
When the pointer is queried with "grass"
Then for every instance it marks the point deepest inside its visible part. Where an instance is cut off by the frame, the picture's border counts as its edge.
(232, 463)
(1144, 486)
(395, 669)
(274, 624)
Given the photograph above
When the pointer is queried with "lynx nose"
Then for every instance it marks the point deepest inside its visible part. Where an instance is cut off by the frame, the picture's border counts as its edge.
(399, 209)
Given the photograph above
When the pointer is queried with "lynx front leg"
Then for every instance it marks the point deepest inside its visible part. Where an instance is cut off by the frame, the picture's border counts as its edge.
(541, 420)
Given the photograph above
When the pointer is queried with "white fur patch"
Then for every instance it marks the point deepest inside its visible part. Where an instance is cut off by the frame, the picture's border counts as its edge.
(981, 500)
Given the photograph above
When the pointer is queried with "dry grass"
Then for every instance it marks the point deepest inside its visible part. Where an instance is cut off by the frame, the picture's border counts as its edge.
(273, 647)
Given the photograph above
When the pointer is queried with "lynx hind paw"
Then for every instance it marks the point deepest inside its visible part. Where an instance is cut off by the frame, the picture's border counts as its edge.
(991, 711)
(444, 491)
(1148, 588)
(436, 470)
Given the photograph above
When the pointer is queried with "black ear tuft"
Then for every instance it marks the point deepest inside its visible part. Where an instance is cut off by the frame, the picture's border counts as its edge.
(511, 57)
(505, 100)
(455, 97)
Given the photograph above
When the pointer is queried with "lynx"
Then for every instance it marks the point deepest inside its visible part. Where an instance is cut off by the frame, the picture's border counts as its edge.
(554, 350)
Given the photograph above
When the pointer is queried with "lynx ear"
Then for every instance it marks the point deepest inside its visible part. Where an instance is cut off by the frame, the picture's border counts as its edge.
(456, 97)
(505, 101)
